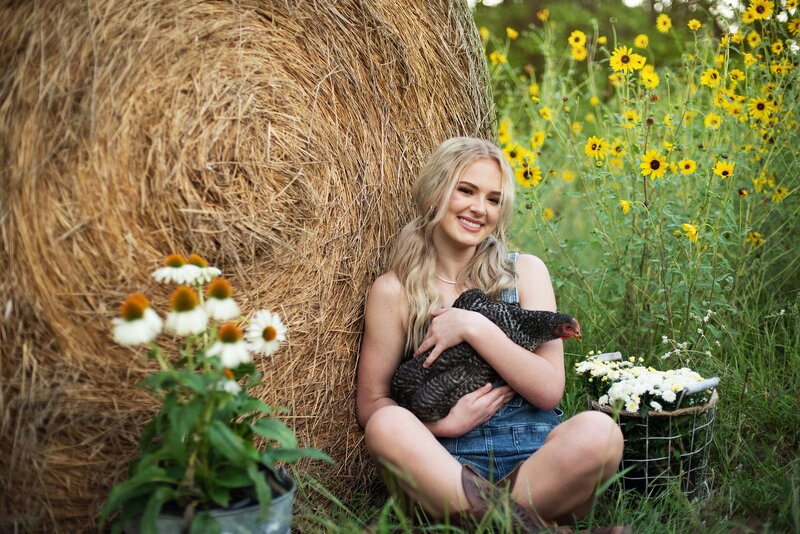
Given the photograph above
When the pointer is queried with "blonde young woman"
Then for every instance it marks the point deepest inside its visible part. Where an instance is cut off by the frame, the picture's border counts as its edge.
(464, 197)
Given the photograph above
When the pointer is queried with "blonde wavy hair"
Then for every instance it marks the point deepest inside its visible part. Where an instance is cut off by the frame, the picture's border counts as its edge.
(414, 256)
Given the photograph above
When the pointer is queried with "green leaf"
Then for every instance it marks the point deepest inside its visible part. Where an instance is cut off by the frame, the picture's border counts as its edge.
(231, 477)
(275, 430)
(182, 418)
(220, 495)
(153, 508)
(203, 523)
(139, 484)
(291, 456)
(263, 491)
(226, 442)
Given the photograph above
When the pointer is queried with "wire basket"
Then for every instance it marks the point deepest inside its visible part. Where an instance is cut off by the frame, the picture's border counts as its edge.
(668, 448)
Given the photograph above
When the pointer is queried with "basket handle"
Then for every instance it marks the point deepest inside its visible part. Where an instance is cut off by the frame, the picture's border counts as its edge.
(609, 356)
(709, 383)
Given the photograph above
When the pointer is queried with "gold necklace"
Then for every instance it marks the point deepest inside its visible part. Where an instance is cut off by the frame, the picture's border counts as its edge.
(445, 281)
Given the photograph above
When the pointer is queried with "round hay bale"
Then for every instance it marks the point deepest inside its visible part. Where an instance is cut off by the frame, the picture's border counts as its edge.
(277, 139)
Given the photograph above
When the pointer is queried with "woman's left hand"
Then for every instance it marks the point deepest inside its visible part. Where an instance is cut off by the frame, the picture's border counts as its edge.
(448, 328)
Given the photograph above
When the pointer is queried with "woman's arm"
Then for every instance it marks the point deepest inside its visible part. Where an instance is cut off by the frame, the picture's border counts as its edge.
(381, 346)
(381, 352)
(538, 376)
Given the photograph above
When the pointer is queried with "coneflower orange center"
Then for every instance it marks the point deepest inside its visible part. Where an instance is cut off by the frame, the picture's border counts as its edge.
(220, 289)
(133, 307)
(174, 261)
(269, 333)
(197, 260)
(229, 333)
(228, 374)
(183, 299)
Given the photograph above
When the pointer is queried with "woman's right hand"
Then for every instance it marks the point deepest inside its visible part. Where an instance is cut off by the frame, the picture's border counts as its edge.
(471, 410)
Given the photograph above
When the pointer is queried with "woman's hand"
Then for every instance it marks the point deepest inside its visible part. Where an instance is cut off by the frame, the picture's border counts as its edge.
(448, 328)
(472, 410)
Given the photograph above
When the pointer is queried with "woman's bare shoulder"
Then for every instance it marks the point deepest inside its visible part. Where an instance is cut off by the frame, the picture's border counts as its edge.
(530, 265)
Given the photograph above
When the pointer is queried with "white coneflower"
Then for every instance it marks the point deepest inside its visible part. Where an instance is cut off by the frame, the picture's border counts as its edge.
(230, 348)
(177, 271)
(186, 315)
(266, 332)
(219, 304)
(137, 323)
(205, 273)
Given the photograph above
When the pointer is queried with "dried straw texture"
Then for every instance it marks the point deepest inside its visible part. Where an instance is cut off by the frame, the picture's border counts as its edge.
(278, 139)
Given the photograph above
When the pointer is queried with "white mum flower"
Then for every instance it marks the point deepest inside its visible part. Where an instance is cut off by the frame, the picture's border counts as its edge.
(656, 406)
(186, 317)
(138, 323)
(266, 332)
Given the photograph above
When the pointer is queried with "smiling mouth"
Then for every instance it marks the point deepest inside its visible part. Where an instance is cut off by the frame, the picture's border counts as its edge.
(469, 224)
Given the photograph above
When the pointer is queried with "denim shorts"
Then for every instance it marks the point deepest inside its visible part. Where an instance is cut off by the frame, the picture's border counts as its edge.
(516, 431)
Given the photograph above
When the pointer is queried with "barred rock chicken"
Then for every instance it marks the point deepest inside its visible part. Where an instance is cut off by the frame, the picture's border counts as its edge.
(430, 393)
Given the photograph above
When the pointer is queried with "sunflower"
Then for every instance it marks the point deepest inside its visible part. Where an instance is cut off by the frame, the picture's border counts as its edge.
(616, 79)
(514, 153)
(663, 23)
(754, 238)
(596, 148)
(512, 33)
(694, 25)
(546, 113)
(690, 231)
(779, 194)
(710, 78)
(712, 121)
(777, 47)
(687, 166)
(497, 58)
(760, 9)
(653, 164)
(528, 176)
(631, 118)
(650, 79)
(579, 53)
(618, 148)
(794, 26)
(548, 214)
(641, 41)
(760, 108)
(790, 4)
(623, 60)
(724, 168)
(537, 139)
(577, 38)
(504, 131)
(736, 75)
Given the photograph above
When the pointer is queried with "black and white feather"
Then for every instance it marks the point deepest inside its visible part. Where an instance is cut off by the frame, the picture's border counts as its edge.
(431, 392)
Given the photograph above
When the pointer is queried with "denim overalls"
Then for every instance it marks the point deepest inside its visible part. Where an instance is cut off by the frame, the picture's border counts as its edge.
(516, 431)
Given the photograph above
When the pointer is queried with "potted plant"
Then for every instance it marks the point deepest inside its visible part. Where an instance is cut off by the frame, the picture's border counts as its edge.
(198, 466)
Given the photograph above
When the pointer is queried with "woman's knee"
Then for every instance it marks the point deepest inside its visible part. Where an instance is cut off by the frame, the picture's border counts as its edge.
(597, 439)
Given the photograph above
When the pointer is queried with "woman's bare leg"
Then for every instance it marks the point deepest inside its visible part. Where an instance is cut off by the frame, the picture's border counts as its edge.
(428, 473)
(559, 480)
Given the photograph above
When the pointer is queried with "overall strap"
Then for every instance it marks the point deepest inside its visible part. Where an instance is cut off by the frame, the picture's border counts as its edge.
(510, 294)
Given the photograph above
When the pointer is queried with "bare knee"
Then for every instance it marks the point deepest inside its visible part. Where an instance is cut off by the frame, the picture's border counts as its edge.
(594, 442)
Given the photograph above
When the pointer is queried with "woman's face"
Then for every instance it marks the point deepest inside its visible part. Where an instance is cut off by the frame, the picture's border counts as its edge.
(474, 207)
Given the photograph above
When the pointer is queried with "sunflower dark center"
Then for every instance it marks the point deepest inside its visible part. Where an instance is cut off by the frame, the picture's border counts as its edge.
(594, 146)
(760, 106)
(760, 9)
(625, 59)
(655, 164)
(724, 173)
